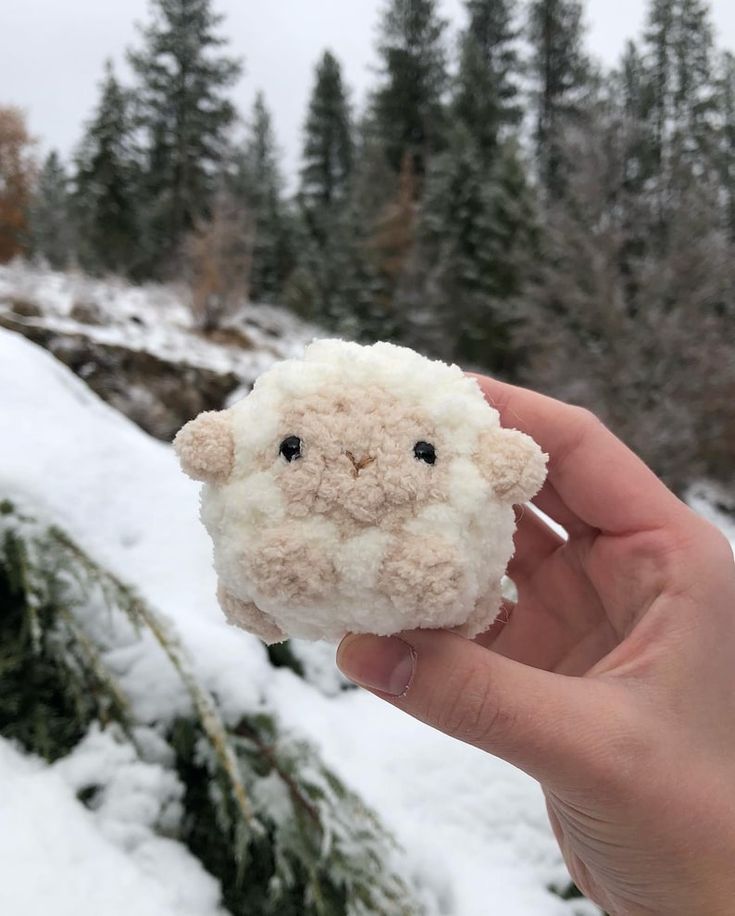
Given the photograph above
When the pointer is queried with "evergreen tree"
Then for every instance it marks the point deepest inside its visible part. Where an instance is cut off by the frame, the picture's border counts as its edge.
(487, 95)
(626, 102)
(477, 240)
(258, 185)
(657, 43)
(727, 139)
(52, 233)
(694, 97)
(106, 184)
(632, 89)
(560, 73)
(678, 49)
(333, 283)
(328, 143)
(409, 105)
(185, 115)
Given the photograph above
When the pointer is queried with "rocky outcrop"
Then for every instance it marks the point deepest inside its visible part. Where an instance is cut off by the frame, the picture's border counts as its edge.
(140, 348)
(159, 395)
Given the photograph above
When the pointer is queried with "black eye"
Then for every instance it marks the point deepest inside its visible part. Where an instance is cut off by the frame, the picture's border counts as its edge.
(291, 448)
(425, 451)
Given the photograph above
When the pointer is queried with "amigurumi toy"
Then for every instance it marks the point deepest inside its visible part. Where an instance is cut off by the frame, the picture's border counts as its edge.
(360, 489)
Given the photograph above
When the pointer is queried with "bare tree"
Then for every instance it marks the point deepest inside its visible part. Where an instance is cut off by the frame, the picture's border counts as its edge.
(17, 176)
(639, 331)
(218, 254)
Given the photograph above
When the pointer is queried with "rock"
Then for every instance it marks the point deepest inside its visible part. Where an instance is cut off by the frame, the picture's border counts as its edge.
(24, 308)
(86, 313)
(157, 394)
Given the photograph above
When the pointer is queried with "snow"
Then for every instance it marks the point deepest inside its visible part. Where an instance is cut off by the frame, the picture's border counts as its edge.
(474, 828)
(154, 318)
(60, 858)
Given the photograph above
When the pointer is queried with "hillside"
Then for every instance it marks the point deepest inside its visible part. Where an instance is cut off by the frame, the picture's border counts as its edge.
(138, 347)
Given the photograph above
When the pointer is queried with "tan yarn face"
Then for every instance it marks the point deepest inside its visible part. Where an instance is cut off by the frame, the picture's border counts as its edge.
(357, 457)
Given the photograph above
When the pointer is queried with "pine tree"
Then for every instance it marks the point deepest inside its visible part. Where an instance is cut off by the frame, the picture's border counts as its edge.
(487, 95)
(678, 51)
(695, 94)
(328, 143)
(51, 227)
(106, 184)
(477, 239)
(626, 102)
(657, 43)
(333, 278)
(185, 114)
(258, 184)
(632, 90)
(409, 105)
(334, 282)
(560, 73)
(727, 139)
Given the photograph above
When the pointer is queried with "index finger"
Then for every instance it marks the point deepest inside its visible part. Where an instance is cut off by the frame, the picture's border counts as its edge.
(599, 478)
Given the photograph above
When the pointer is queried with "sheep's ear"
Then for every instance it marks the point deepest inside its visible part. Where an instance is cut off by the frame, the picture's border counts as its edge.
(206, 448)
(513, 463)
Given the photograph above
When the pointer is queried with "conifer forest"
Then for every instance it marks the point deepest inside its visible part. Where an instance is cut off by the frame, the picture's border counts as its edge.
(499, 199)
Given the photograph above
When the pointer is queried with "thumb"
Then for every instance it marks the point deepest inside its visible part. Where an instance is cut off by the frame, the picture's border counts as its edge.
(556, 728)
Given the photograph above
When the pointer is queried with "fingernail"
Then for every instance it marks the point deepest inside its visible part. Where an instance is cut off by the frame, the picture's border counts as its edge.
(384, 663)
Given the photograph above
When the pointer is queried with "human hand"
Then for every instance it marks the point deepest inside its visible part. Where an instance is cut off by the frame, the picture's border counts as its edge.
(611, 681)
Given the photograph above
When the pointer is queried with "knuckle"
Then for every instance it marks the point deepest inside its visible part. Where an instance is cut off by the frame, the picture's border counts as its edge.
(698, 538)
(470, 711)
(720, 547)
(586, 419)
(581, 424)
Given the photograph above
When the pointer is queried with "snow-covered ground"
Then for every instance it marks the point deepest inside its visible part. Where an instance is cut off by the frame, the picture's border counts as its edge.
(474, 829)
(153, 318)
(57, 858)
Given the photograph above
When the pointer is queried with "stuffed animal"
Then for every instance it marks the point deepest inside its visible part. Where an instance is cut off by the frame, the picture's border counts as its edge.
(360, 489)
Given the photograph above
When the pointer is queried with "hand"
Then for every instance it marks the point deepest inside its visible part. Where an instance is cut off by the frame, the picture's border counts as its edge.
(611, 681)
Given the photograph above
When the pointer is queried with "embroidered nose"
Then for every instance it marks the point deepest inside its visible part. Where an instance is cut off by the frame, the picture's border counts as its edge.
(359, 463)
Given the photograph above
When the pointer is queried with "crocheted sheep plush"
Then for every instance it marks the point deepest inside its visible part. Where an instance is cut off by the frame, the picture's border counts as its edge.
(360, 489)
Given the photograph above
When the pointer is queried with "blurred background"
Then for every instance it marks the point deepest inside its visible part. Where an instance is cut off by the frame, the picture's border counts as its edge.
(543, 190)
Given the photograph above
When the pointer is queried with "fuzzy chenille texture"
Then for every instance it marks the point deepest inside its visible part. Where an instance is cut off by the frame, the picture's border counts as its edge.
(360, 489)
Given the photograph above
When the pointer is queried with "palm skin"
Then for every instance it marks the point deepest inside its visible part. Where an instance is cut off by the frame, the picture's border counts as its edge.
(621, 630)
(611, 681)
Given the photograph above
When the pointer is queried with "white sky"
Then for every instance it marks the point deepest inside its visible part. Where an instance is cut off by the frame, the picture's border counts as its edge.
(52, 52)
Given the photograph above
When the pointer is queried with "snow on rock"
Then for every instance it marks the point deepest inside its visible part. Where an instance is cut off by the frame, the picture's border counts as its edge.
(154, 318)
(57, 857)
(475, 828)
(138, 347)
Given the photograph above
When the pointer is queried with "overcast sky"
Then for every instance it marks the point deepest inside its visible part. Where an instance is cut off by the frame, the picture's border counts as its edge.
(52, 52)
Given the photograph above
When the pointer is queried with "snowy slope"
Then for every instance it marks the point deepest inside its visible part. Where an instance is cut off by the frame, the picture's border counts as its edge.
(475, 828)
(152, 318)
(59, 859)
